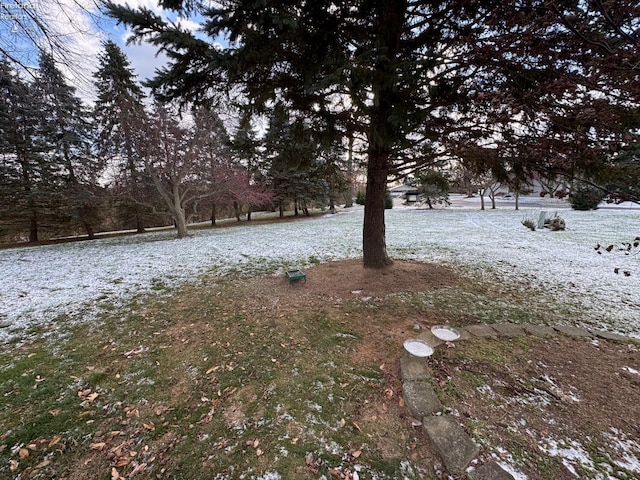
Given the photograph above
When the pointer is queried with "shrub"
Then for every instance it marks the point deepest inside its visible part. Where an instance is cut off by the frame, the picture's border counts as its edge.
(360, 197)
(586, 198)
(530, 224)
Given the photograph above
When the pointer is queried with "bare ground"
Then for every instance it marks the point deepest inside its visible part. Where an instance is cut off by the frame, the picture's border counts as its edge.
(530, 401)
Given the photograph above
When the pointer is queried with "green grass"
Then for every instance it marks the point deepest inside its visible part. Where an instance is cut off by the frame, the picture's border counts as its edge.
(187, 382)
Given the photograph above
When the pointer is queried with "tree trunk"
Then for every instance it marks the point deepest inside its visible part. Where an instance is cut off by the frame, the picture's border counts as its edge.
(249, 214)
(482, 199)
(33, 225)
(178, 213)
(89, 229)
(517, 200)
(213, 214)
(374, 245)
(236, 210)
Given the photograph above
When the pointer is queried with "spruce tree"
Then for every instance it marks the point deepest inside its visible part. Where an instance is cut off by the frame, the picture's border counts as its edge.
(69, 136)
(29, 182)
(120, 119)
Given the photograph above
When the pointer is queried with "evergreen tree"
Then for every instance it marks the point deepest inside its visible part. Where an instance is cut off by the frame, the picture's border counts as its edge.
(29, 182)
(407, 75)
(294, 167)
(69, 135)
(120, 119)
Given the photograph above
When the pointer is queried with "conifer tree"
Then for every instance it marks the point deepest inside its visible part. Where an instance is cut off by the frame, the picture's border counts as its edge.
(414, 78)
(120, 119)
(29, 183)
(69, 135)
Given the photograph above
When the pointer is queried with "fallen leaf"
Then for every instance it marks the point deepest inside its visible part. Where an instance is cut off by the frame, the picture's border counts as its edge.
(54, 440)
(84, 393)
(356, 454)
(401, 402)
(55, 412)
(258, 452)
(137, 469)
(13, 465)
(43, 464)
(97, 446)
(115, 475)
(92, 397)
(23, 453)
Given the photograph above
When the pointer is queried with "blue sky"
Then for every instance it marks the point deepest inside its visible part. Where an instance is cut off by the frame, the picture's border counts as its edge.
(82, 28)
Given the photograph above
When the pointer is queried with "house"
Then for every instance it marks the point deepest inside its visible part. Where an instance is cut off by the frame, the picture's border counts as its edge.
(408, 192)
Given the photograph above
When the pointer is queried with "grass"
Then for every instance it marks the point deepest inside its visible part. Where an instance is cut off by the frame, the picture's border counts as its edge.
(192, 382)
(208, 380)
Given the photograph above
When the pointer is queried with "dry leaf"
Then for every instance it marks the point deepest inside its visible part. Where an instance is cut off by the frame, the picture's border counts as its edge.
(43, 464)
(258, 452)
(23, 453)
(84, 393)
(149, 426)
(356, 454)
(97, 446)
(92, 397)
(13, 465)
(55, 412)
(401, 401)
(54, 440)
(115, 475)
(137, 469)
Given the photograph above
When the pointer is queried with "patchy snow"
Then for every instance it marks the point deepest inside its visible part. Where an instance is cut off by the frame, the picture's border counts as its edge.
(42, 284)
(572, 454)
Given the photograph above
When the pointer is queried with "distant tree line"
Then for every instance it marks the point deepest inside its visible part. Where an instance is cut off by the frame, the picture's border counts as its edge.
(132, 162)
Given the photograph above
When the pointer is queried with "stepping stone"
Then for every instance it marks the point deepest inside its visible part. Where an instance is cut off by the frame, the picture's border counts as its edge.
(539, 330)
(420, 398)
(453, 445)
(413, 368)
(508, 329)
(480, 330)
(572, 331)
(610, 335)
(489, 471)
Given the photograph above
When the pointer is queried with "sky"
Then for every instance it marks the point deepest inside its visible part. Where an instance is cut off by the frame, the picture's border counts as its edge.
(81, 27)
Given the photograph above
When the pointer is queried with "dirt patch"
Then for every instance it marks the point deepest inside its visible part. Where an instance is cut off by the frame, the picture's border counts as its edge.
(349, 280)
(553, 408)
(559, 408)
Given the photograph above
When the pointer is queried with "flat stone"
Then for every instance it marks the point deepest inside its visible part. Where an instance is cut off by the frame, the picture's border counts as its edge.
(489, 471)
(508, 329)
(480, 330)
(539, 330)
(609, 335)
(420, 398)
(413, 368)
(453, 445)
(572, 331)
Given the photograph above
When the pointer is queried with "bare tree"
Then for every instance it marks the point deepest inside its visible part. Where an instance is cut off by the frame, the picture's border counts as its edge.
(64, 29)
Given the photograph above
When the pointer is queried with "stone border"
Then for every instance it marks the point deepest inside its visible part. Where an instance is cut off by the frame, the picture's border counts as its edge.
(453, 445)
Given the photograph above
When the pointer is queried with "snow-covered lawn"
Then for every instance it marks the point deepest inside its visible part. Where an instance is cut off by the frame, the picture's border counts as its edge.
(39, 284)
